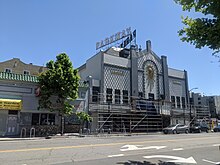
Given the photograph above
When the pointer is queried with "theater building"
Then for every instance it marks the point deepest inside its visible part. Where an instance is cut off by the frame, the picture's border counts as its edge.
(134, 90)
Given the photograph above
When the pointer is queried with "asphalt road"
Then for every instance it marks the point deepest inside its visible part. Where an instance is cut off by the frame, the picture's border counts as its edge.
(157, 149)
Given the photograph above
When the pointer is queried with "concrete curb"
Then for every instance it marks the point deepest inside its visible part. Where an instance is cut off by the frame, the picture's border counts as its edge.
(76, 135)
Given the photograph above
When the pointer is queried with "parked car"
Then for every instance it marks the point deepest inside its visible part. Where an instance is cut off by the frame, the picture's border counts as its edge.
(199, 127)
(175, 129)
(216, 128)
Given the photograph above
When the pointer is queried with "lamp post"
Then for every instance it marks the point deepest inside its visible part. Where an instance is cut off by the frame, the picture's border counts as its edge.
(89, 79)
(190, 106)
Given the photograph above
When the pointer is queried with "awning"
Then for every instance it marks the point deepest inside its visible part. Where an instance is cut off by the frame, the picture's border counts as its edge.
(10, 104)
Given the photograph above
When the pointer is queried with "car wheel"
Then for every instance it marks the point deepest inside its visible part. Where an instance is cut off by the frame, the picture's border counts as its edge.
(207, 131)
(187, 131)
(174, 132)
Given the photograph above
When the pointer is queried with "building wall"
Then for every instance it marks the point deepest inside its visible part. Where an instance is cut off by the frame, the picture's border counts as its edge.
(116, 61)
(93, 67)
(20, 86)
(217, 105)
(116, 74)
(19, 67)
(12, 121)
(177, 87)
(116, 78)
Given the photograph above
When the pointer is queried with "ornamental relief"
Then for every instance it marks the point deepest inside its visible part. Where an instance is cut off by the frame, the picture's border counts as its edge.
(150, 78)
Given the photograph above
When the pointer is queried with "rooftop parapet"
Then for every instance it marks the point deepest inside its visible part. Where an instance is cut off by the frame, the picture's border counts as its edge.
(18, 77)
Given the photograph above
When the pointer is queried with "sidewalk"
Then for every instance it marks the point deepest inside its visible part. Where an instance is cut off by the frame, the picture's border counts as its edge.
(17, 139)
(76, 135)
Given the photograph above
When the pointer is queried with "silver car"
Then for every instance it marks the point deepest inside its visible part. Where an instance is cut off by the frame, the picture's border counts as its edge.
(175, 129)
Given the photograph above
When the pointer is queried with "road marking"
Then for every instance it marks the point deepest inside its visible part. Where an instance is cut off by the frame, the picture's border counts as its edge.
(177, 149)
(137, 147)
(211, 161)
(119, 155)
(177, 159)
(216, 145)
(101, 145)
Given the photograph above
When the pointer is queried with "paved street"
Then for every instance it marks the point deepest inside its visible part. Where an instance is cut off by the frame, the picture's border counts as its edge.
(156, 149)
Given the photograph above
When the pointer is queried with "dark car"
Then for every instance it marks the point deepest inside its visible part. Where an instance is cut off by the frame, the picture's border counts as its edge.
(199, 127)
(175, 129)
(216, 128)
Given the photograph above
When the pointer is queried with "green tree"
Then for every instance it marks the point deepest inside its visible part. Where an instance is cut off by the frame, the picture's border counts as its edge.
(204, 31)
(83, 117)
(59, 86)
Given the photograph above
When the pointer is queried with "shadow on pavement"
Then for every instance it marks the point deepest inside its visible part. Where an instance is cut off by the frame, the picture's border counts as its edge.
(131, 162)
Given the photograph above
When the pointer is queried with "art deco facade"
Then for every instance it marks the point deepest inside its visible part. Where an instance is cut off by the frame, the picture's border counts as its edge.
(126, 79)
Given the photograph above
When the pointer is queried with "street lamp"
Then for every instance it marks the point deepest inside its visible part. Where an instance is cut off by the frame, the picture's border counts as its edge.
(190, 106)
(89, 79)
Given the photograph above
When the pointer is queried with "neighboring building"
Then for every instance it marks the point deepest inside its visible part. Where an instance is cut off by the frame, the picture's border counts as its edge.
(214, 106)
(18, 101)
(131, 90)
(199, 107)
(209, 104)
(19, 93)
(16, 66)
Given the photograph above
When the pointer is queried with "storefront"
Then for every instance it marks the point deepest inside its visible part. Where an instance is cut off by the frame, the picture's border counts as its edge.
(9, 115)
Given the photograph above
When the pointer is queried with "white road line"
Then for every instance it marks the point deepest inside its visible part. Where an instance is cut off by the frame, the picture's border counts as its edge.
(119, 155)
(177, 149)
(176, 159)
(210, 161)
(216, 145)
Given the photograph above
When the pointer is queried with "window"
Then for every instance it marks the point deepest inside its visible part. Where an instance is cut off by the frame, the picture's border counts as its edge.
(8, 70)
(26, 72)
(173, 101)
(117, 96)
(82, 95)
(178, 101)
(151, 96)
(140, 94)
(109, 95)
(95, 94)
(35, 119)
(51, 119)
(183, 102)
(43, 119)
(12, 112)
(125, 97)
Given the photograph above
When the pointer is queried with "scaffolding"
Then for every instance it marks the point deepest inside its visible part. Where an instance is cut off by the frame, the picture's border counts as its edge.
(138, 116)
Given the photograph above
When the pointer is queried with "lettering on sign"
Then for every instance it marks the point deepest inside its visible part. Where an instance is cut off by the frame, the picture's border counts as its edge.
(119, 73)
(113, 38)
(10, 104)
(176, 82)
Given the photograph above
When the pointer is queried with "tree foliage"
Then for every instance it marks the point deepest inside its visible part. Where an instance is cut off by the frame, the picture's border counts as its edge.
(204, 31)
(83, 116)
(58, 85)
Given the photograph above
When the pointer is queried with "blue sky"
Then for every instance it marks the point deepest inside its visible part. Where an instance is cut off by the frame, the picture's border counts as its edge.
(37, 30)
